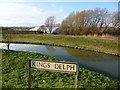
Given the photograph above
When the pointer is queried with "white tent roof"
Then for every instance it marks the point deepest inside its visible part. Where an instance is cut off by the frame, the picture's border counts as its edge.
(34, 29)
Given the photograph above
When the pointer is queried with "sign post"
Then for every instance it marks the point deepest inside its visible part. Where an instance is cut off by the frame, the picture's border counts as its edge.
(29, 71)
(66, 67)
(76, 74)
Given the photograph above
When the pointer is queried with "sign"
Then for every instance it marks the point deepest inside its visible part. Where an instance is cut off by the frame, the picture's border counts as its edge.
(56, 66)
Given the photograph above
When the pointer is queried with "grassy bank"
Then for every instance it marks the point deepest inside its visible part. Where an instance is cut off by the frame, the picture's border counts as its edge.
(15, 74)
(107, 46)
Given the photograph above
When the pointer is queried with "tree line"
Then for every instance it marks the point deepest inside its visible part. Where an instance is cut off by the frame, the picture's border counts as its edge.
(91, 22)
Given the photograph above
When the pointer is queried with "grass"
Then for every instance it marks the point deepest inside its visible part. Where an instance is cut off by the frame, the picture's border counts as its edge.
(15, 74)
(93, 44)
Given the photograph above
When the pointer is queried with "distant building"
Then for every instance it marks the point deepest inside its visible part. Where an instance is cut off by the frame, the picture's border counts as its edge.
(45, 29)
(55, 30)
(35, 29)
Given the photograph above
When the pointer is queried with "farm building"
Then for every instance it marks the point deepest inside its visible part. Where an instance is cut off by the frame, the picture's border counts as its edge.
(45, 29)
(35, 29)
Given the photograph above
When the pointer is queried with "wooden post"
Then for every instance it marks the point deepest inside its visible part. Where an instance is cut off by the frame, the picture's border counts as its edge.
(75, 83)
(29, 72)
(76, 74)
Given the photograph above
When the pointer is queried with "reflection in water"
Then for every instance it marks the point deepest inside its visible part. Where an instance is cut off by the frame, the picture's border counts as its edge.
(50, 49)
(86, 55)
(102, 63)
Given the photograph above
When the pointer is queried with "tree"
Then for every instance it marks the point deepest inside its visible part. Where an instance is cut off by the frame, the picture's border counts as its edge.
(7, 37)
(115, 19)
(50, 22)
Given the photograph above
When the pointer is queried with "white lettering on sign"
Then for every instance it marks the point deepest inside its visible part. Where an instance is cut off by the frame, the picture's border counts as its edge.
(54, 66)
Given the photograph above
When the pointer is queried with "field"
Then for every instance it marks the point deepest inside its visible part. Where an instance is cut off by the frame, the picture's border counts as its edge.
(103, 45)
(15, 74)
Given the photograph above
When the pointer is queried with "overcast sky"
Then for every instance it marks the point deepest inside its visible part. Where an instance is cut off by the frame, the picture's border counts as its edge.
(34, 12)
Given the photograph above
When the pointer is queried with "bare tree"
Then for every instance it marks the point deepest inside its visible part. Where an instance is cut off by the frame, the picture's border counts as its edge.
(50, 22)
(115, 19)
(7, 37)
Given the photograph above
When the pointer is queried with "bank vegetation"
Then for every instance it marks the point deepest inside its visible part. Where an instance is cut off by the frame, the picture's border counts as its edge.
(15, 74)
